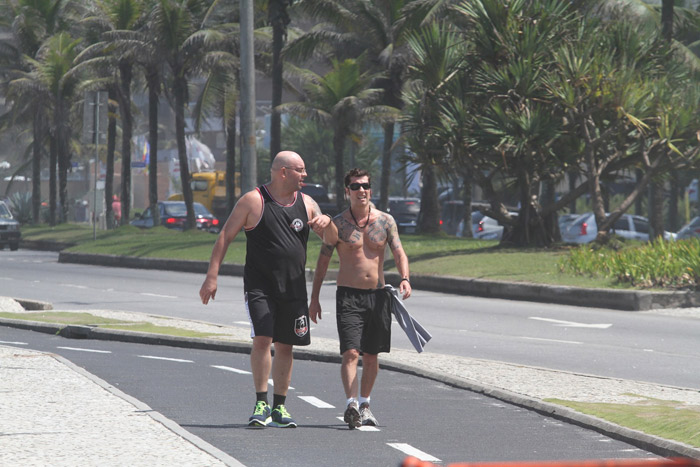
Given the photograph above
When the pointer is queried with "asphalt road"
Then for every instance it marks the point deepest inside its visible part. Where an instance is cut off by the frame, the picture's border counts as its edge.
(210, 394)
(643, 346)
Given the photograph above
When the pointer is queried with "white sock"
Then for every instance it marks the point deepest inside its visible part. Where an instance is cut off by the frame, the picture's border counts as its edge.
(351, 400)
(362, 400)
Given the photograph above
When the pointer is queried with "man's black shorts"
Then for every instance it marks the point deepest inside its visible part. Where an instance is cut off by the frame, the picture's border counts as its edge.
(285, 320)
(364, 320)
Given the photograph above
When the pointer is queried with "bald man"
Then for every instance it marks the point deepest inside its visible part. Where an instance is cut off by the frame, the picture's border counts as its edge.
(276, 218)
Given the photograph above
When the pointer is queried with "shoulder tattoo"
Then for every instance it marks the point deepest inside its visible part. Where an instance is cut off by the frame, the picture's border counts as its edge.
(348, 232)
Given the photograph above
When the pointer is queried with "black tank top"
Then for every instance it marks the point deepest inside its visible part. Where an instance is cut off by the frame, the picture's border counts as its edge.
(276, 249)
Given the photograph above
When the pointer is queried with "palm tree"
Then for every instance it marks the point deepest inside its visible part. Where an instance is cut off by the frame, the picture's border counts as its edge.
(54, 69)
(343, 100)
(179, 31)
(378, 30)
(437, 59)
(31, 23)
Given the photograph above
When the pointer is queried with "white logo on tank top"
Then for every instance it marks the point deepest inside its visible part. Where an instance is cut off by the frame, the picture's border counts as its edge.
(297, 224)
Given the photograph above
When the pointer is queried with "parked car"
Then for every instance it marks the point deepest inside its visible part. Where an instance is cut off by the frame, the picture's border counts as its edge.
(320, 194)
(173, 214)
(404, 211)
(9, 228)
(691, 229)
(489, 229)
(585, 229)
(565, 220)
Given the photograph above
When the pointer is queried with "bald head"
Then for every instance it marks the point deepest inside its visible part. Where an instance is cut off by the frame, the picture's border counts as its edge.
(286, 159)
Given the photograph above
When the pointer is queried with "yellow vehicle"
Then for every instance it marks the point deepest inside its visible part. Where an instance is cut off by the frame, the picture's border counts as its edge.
(209, 188)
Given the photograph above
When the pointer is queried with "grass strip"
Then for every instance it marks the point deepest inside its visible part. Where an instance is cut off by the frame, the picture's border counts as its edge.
(666, 419)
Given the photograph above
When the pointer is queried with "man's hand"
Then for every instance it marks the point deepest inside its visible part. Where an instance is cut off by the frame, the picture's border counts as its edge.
(319, 223)
(315, 310)
(208, 290)
(405, 289)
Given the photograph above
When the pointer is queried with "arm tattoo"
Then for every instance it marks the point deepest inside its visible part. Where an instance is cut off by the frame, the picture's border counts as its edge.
(327, 250)
(393, 235)
(315, 209)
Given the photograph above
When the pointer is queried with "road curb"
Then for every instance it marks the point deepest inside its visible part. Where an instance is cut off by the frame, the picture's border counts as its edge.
(651, 443)
(626, 300)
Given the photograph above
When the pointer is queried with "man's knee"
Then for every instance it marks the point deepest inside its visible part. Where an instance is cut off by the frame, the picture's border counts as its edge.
(351, 355)
(261, 343)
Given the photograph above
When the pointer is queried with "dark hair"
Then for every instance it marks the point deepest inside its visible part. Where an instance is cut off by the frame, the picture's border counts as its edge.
(356, 173)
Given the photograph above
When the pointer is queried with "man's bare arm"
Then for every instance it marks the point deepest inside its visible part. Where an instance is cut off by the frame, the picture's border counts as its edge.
(317, 220)
(324, 259)
(235, 222)
(400, 257)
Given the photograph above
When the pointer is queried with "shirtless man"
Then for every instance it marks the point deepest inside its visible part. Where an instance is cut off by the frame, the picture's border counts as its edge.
(276, 218)
(363, 307)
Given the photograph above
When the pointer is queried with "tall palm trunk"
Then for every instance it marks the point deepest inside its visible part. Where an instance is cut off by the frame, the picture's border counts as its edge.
(338, 150)
(125, 75)
(179, 88)
(279, 20)
(111, 147)
(230, 164)
(429, 208)
(53, 158)
(153, 78)
(386, 166)
(36, 168)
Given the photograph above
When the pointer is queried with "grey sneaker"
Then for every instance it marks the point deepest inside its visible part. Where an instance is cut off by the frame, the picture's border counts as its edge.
(366, 415)
(352, 416)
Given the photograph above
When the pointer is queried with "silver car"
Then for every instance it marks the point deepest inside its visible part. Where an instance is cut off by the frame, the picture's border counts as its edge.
(585, 229)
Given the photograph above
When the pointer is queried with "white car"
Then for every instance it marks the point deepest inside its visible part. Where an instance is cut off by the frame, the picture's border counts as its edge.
(488, 228)
(585, 229)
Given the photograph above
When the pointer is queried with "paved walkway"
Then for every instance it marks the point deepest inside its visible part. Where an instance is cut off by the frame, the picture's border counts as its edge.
(54, 413)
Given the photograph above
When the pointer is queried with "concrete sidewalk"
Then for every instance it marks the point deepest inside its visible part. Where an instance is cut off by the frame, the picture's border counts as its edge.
(55, 413)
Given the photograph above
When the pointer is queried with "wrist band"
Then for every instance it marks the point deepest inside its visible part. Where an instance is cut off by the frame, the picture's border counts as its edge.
(329, 216)
(404, 279)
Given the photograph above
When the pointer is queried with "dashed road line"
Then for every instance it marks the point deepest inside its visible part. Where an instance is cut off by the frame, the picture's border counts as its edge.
(411, 451)
(78, 349)
(157, 295)
(363, 427)
(316, 402)
(13, 343)
(232, 370)
(153, 357)
(558, 341)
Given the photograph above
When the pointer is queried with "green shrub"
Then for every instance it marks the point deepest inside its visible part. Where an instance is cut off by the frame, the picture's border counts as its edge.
(656, 264)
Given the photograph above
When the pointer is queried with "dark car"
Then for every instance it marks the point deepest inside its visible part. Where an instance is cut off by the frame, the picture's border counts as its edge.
(173, 214)
(9, 228)
(404, 211)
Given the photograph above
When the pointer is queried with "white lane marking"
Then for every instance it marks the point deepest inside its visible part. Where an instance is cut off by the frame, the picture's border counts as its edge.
(647, 350)
(272, 383)
(165, 358)
(316, 402)
(232, 370)
(157, 295)
(571, 324)
(75, 286)
(551, 340)
(411, 451)
(13, 343)
(245, 323)
(362, 428)
(84, 350)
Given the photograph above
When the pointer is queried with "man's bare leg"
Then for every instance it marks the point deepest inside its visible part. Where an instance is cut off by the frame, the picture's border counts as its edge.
(370, 369)
(261, 362)
(348, 374)
(282, 368)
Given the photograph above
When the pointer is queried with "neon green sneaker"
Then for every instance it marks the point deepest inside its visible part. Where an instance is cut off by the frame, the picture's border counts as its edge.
(261, 415)
(281, 418)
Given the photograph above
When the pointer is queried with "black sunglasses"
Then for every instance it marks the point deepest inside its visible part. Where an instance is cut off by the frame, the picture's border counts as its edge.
(357, 186)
